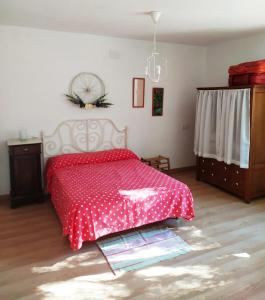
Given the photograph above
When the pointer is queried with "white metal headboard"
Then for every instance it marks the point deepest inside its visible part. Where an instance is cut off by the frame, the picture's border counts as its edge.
(74, 136)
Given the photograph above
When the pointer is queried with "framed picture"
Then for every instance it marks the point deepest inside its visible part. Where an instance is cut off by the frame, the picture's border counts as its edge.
(157, 101)
(138, 92)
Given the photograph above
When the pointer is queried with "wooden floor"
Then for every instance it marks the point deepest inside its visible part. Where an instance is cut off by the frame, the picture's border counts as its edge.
(228, 260)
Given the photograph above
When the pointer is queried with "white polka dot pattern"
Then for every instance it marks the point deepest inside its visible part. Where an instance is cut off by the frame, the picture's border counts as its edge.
(74, 159)
(112, 191)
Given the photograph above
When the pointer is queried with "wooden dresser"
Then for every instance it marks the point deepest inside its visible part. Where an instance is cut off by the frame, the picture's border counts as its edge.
(25, 171)
(247, 183)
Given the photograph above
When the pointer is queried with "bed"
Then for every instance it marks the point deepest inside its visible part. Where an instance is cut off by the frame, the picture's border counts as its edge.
(99, 187)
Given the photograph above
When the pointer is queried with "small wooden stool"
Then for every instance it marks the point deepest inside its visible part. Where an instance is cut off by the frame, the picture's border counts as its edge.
(159, 162)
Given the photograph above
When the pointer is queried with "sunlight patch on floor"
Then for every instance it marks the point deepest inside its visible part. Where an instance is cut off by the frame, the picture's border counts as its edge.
(243, 255)
(189, 287)
(197, 233)
(196, 239)
(74, 261)
(182, 280)
(85, 287)
(201, 271)
(239, 255)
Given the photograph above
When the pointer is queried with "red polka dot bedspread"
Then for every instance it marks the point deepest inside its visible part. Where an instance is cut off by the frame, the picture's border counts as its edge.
(98, 193)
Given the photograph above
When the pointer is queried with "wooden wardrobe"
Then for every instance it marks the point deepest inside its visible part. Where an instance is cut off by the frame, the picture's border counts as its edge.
(247, 183)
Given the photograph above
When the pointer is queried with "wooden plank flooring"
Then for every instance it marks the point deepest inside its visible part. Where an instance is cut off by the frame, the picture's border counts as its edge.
(228, 260)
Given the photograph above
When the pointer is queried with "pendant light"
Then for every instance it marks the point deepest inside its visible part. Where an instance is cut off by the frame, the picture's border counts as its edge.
(156, 65)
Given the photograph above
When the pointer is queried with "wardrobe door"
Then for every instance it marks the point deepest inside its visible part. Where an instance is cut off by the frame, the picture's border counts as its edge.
(257, 155)
(222, 125)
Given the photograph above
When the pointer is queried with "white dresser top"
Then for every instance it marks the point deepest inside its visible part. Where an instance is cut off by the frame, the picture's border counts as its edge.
(16, 142)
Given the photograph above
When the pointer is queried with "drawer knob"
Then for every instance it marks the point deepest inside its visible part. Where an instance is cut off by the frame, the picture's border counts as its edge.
(203, 170)
(25, 149)
(237, 184)
(225, 179)
(212, 174)
(203, 160)
(237, 172)
(212, 164)
(225, 168)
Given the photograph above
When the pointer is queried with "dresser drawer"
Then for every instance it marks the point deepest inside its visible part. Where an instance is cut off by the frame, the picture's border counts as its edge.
(237, 172)
(237, 187)
(232, 178)
(209, 170)
(25, 149)
(203, 168)
(229, 177)
(237, 179)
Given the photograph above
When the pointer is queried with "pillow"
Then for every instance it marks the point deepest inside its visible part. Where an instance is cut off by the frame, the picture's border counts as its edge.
(75, 159)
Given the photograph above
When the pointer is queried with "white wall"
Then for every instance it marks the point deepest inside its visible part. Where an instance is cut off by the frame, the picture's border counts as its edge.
(36, 67)
(221, 56)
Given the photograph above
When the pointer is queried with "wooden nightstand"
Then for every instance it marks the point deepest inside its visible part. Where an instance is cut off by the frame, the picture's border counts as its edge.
(25, 171)
(158, 162)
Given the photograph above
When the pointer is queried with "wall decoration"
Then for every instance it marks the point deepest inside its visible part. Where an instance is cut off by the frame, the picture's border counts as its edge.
(138, 92)
(157, 101)
(88, 91)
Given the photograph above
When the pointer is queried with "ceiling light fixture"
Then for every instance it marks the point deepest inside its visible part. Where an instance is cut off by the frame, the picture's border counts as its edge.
(156, 65)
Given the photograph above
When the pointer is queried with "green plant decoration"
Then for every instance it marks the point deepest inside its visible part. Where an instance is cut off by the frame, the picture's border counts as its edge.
(100, 102)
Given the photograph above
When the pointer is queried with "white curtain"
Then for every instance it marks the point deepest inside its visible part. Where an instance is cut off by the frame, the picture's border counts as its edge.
(222, 125)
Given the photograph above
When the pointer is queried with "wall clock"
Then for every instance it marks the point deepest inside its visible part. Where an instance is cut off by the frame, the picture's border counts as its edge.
(88, 86)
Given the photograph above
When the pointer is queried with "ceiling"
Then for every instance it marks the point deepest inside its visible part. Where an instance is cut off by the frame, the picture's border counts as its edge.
(195, 22)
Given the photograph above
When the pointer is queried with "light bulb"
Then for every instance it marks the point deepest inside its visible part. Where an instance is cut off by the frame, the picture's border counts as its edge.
(158, 69)
(146, 71)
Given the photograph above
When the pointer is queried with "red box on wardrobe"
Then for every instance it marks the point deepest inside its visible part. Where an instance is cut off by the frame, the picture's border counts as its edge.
(248, 73)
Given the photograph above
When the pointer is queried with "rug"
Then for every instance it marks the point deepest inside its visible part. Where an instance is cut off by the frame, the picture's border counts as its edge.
(141, 248)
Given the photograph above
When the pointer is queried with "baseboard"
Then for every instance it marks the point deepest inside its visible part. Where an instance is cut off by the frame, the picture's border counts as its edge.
(7, 196)
(4, 197)
(182, 169)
